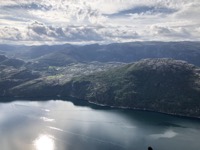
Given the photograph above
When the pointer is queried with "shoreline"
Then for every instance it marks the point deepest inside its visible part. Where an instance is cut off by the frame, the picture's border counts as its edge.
(144, 109)
(92, 104)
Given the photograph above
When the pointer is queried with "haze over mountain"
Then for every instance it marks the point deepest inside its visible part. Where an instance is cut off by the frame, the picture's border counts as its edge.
(61, 55)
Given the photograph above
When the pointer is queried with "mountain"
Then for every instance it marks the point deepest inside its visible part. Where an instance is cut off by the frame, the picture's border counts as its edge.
(115, 74)
(162, 85)
(51, 82)
(11, 62)
(62, 55)
(13, 72)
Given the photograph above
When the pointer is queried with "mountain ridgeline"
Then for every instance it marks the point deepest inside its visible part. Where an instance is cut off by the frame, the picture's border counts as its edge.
(62, 55)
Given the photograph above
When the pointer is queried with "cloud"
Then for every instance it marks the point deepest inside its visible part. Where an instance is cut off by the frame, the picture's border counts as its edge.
(190, 11)
(169, 32)
(27, 6)
(98, 20)
(118, 33)
(70, 33)
(142, 10)
(53, 11)
(38, 31)
(10, 33)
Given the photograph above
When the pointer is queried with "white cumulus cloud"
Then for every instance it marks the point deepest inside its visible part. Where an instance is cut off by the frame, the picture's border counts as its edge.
(50, 21)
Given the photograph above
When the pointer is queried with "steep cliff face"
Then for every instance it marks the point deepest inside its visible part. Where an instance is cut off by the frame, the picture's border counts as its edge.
(163, 85)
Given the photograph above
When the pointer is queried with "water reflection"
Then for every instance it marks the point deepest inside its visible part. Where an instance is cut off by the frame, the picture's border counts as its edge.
(44, 142)
(47, 119)
(61, 125)
(166, 134)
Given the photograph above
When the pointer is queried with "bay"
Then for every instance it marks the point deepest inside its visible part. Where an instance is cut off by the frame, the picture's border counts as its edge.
(77, 125)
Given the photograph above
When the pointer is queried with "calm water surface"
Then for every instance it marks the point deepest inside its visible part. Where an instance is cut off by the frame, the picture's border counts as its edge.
(62, 125)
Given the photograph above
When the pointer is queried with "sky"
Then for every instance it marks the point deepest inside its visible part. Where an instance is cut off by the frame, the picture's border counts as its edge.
(98, 21)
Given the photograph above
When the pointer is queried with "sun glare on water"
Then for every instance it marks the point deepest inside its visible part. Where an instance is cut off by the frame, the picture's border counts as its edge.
(44, 142)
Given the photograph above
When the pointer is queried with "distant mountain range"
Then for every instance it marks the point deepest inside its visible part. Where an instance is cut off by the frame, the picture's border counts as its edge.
(140, 75)
(61, 55)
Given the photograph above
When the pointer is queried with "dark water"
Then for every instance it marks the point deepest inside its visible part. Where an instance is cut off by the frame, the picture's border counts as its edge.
(61, 125)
